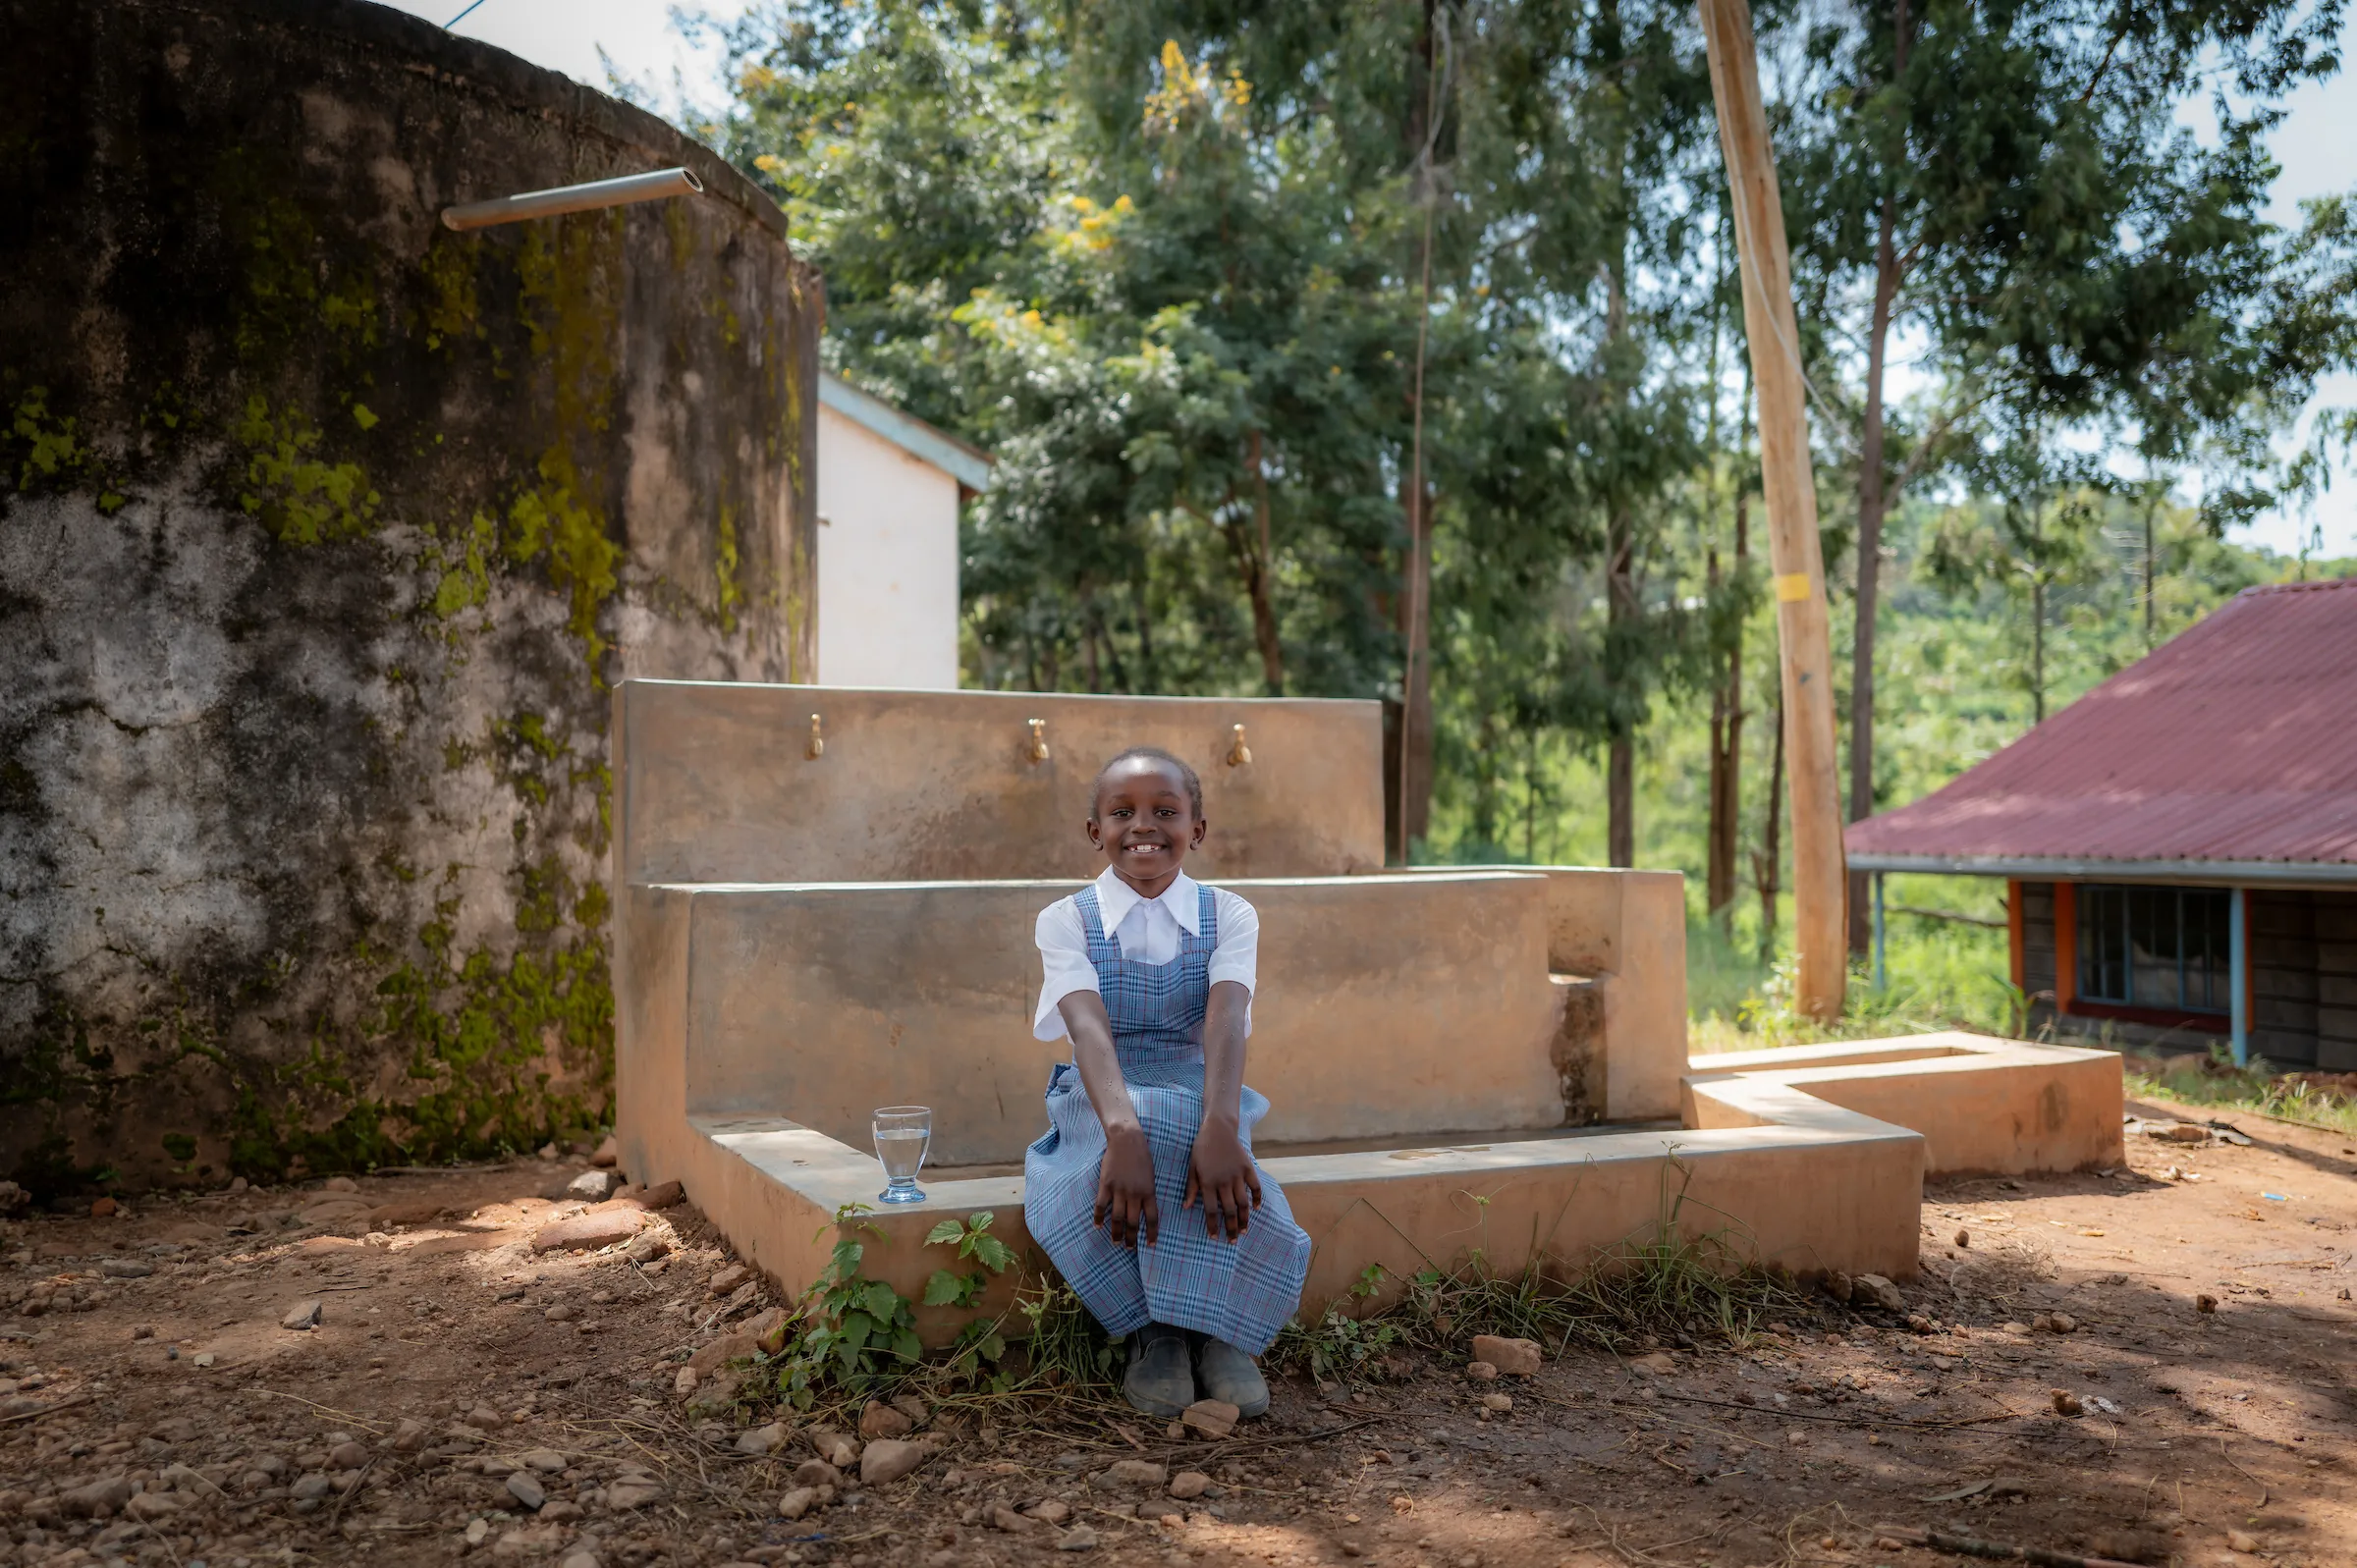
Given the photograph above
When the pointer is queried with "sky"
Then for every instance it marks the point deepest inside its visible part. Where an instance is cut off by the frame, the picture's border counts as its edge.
(2316, 146)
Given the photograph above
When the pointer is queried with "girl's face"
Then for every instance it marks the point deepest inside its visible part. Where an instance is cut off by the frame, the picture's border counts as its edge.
(1144, 823)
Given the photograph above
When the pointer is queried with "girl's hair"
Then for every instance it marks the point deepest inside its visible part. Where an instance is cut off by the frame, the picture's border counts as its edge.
(1187, 776)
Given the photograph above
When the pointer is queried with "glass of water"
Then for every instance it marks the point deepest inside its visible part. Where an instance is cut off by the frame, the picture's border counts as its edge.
(903, 1135)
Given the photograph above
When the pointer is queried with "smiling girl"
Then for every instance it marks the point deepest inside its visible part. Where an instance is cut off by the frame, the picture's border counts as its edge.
(1150, 973)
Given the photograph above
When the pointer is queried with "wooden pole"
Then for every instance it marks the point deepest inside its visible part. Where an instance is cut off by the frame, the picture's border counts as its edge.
(1819, 887)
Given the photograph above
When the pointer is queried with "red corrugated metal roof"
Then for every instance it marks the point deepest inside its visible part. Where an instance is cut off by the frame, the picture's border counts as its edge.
(2235, 741)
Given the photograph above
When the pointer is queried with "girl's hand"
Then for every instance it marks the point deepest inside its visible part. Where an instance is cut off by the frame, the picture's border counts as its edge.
(1221, 1173)
(1125, 1204)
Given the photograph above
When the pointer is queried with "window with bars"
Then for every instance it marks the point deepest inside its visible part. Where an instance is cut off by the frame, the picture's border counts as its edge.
(2162, 947)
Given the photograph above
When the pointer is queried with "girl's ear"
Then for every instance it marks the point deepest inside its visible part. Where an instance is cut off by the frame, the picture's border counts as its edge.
(1202, 826)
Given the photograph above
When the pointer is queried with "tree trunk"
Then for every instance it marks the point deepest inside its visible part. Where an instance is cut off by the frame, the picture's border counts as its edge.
(1259, 563)
(1413, 777)
(1620, 600)
(1145, 633)
(1726, 748)
(1765, 861)
(2152, 504)
(1871, 499)
(2038, 650)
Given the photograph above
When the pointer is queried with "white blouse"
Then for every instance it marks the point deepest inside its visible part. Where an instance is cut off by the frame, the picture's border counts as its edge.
(1148, 931)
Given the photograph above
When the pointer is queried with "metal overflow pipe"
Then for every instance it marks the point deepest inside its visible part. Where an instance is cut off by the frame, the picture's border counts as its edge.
(651, 187)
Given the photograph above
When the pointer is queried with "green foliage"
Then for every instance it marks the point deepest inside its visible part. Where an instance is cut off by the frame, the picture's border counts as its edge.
(1344, 1344)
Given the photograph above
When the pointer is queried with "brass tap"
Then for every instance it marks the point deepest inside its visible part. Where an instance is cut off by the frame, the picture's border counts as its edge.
(1039, 740)
(818, 740)
(1239, 753)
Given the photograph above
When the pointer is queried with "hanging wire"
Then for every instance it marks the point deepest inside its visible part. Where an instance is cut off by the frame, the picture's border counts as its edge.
(462, 16)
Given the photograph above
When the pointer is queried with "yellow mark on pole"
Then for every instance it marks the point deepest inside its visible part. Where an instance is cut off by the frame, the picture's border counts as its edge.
(1791, 587)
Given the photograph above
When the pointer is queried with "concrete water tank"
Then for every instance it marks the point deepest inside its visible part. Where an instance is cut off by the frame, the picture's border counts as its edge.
(325, 531)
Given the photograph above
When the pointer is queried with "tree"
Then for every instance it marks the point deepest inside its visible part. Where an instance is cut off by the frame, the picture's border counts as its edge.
(2008, 176)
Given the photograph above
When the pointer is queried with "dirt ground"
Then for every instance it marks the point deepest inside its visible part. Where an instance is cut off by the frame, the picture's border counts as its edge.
(153, 1408)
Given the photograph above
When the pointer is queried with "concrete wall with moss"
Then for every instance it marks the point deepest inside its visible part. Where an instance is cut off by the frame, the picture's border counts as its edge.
(324, 532)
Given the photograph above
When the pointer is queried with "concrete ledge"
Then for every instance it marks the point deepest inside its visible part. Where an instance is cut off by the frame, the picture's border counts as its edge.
(1984, 1105)
(1391, 1006)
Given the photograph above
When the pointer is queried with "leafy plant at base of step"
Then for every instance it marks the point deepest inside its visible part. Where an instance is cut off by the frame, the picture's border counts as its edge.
(859, 1332)
(1067, 1349)
(1345, 1344)
(980, 1341)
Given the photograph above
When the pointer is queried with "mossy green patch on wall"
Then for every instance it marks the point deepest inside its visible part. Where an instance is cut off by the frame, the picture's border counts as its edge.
(304, 829)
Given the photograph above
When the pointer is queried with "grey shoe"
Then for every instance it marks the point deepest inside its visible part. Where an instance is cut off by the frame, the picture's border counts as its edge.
(1228, 1374)
(1159, 1380)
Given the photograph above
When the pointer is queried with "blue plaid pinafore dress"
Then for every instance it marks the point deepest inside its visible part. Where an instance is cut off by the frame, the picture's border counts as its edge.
(1241, 1291)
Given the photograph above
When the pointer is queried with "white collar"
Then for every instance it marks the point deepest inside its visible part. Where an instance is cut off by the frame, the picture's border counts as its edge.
(1116, 898)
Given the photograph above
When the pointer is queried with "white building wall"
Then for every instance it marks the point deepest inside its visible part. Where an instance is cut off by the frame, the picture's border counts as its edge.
(887, 563)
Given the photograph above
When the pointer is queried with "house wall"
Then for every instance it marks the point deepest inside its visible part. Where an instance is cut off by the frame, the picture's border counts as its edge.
(2302, 956)
(887, 563)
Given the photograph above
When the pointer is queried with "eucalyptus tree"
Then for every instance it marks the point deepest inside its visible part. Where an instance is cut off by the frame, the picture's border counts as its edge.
(2009, 181)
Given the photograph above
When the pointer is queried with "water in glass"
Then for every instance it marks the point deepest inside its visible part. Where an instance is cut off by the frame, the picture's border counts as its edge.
(903, 1135)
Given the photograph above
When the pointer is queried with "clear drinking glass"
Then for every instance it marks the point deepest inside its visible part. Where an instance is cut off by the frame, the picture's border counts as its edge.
(904, 1133)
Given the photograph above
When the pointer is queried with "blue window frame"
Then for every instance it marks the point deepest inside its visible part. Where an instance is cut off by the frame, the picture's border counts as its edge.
(2159, 948)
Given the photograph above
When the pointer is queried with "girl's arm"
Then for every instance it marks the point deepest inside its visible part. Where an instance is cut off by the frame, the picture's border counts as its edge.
(1126, 1204)
(1220, 1171)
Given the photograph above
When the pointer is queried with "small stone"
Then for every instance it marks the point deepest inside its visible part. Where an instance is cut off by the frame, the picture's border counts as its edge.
(888, 1459)
(720, 1352)
(125, 1269)
(728, 1279)
(1001, 1517)
(2242, 1541)
(1054, 1511)
(348, 1455)
(880, 1420)
(1656, 1363)
(560, 1313)
(580, 1559)
(909, 1405)
(303, 1315)
(633, 1491)
(476, 1531)
(798, 1502)
(103, 1207)
(525, 1488)
(1513, 1358)
(2062, 1322)
(1498, 1403)
(2205, 1302)
(1964, 1238)
(646, 1247)
(1135, 1473)
(1189, 1484)
(685, 1382)
(601, 1228)
(1839, 1286)
(763, 1440)
(660, 1196)
(816, 1473)
(1077, 1538)
(768, 1327)
(96, 1500)
(311, 1487)
(410, 1436)
(1210, 1418)
(153, 1505)
(1175, 1430)
(1482, 1371)
(608, 1155)
(1880, 1292)
(2066, 1403)
(203, 1358)
(595, 1185)
(836, 1448)
(547, 1461)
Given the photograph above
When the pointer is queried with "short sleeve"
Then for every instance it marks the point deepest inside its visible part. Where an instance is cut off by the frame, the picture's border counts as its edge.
(1064, 958)
(1237, 955)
